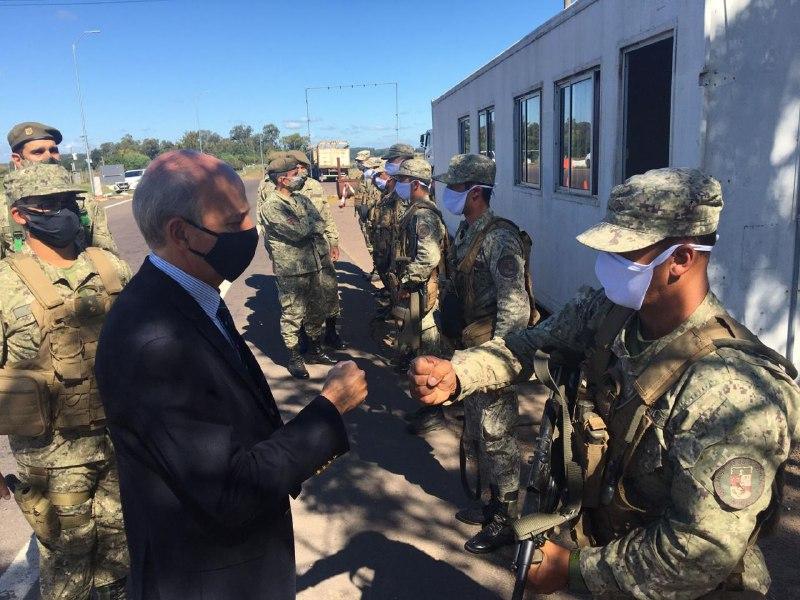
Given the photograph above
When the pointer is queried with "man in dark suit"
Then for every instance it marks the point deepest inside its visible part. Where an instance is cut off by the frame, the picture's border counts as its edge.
(206, 464)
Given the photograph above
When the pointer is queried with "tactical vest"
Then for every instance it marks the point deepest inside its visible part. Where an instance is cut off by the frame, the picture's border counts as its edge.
(607, 433)
(482, 322)
(405, 250)
(70, 330)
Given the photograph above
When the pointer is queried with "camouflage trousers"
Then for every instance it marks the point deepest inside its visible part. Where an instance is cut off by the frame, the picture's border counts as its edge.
(302, 305)
(489, 437)
(93, 554)
(330, 288)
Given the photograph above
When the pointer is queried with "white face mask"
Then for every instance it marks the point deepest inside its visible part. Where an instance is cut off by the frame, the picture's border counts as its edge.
(626, 282)
(392, 168)
(380, 183)
(454, 201)
(404, 189)
(368, 174)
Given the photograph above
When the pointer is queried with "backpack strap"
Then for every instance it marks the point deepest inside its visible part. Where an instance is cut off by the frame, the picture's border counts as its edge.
(33, 276)
(105, 269)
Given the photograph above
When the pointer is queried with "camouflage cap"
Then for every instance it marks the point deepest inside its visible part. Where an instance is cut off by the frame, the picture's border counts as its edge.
(469, 167)
(40, 179)
(418, 168)
(31, 130)
(299, 156)
(373, 162)
(656, 205)
(362, 155)
(282, 163)
(399, 151)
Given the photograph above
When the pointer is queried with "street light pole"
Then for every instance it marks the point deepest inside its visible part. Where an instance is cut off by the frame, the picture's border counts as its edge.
(80, 103)
(197, 118)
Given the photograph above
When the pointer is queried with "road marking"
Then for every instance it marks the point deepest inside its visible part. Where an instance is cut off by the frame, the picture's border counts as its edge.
(22, 574)
(223, 288)
(118, 203)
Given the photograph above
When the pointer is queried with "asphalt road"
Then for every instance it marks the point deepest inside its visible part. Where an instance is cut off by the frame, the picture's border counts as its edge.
(378, 524)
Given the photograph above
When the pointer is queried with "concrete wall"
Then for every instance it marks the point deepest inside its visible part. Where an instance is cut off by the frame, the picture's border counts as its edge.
(717, 124)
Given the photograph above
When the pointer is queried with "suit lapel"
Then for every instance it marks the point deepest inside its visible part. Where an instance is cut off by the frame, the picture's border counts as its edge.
(189, 307)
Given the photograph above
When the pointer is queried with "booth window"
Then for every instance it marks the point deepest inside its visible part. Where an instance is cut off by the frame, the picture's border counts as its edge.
(463, 135)
(486, 132)
(578, 110)
(528, 110)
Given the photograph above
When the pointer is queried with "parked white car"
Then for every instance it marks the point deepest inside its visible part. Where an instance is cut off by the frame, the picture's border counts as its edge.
(132, 177)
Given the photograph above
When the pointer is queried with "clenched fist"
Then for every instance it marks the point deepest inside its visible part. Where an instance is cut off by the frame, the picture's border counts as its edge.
(432, 380)
(345, 386)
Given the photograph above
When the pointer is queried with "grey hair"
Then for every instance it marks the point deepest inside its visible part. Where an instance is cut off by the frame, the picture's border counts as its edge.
(161, 195)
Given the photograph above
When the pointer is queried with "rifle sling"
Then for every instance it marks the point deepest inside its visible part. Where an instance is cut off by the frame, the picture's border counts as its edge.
(536, 524)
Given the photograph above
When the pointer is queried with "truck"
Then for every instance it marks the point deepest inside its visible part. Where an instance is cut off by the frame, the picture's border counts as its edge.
(329, 157)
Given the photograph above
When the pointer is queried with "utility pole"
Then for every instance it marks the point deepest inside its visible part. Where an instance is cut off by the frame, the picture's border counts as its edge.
(80, 103)
(197, 118)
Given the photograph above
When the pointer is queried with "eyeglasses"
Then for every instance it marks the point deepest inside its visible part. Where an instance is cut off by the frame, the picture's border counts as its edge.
(51, 205)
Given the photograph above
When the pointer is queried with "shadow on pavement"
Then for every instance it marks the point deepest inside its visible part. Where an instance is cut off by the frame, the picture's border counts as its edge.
(382, 568)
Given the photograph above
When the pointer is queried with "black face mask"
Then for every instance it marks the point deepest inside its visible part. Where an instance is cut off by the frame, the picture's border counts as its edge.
(58, 230)
(232, 253)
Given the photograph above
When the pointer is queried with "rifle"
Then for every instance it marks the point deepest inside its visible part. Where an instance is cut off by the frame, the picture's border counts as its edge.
(553, 495)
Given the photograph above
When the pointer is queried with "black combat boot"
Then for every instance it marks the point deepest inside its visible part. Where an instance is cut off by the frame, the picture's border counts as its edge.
(497, 533)
(303, 340)
(316, 355)
(333, 338)
(425, 419)
(297, 368)
(112, 591)
(479, 515)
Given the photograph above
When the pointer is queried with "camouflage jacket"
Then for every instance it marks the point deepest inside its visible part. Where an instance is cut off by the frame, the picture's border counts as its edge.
(421, 239)
(312, 190)
(726, 401)
(21, 339)
(294, 233)
(498, 276)
(356, 181)
(96, 233)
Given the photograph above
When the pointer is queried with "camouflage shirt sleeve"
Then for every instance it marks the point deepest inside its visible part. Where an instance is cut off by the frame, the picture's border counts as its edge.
(101, 234)
(729, 432)
(505, 360)
(428, 230)
(280, 221)
(20, 333)
(507, 266)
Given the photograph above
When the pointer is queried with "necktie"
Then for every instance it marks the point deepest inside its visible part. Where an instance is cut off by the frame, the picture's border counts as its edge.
(224, 316)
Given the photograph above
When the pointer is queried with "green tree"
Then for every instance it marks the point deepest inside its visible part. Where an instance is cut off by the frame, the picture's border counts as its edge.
(130, 159)
(294, 141)
(150, 147)
(233, 160)
(269, 137)
(241, 133)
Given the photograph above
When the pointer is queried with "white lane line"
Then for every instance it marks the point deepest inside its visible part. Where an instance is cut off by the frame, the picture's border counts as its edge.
(118, 203)
(224, 287)
(22, 574)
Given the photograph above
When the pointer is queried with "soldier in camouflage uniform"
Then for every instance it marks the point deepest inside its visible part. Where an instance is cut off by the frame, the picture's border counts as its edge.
(421, 243)
(389, 211)
(314, 191)
(370, 196)
(696, 415)
(32, 143)
(493, 301)
(55, 295)
(294, 236)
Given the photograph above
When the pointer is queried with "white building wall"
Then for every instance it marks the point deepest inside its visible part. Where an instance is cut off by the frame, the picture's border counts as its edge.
(594, 32)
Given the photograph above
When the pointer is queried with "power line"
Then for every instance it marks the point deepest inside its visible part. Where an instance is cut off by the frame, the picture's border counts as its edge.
(4, 3)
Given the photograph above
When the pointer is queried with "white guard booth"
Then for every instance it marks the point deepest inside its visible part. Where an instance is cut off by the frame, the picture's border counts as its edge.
(610, 88)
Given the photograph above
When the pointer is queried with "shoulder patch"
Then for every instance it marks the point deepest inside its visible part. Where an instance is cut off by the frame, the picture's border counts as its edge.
(423, 231)
(507, 266)
(739, 482)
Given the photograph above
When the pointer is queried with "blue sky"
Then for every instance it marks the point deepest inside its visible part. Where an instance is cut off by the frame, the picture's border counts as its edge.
(247, 62)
